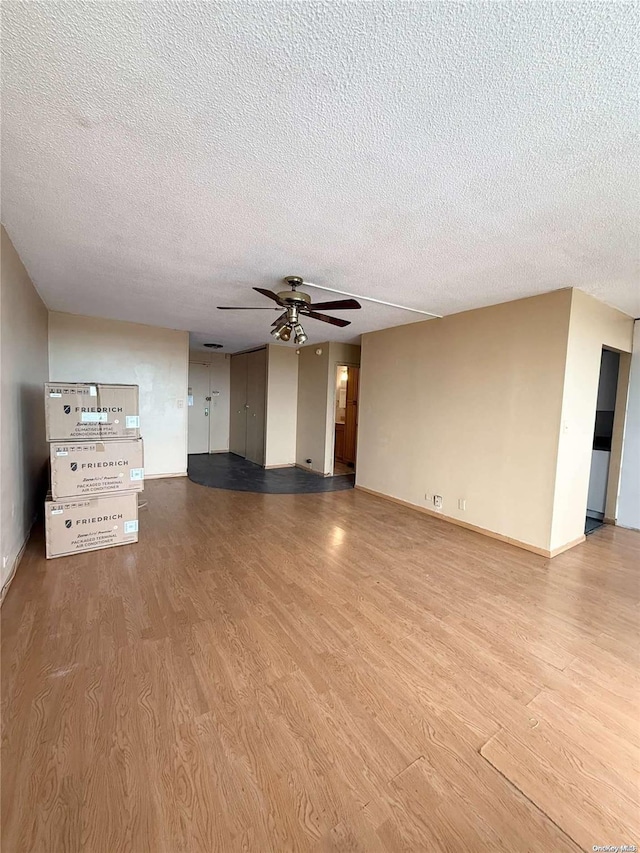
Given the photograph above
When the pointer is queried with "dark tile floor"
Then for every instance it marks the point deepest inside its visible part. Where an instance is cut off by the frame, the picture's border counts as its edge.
(228, 471)
(592, 524)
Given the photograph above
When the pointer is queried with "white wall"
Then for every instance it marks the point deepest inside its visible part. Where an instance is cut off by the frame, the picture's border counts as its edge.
(592, 326)
(628, 514)
(220, 369)
(89, 349)
(282, 405)
(24, 369)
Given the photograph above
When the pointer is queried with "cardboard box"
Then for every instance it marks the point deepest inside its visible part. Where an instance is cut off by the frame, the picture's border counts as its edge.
(85, 411)
(84, 469)
(73, 527)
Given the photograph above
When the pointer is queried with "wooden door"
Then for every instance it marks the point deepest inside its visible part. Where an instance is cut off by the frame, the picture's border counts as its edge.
(339, 445)
(351, 416)
(256, 400)
(199, 408)
(238, 405)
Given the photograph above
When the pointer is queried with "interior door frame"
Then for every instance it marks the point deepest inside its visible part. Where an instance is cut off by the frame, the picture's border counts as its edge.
(617, 440)
(331, 427)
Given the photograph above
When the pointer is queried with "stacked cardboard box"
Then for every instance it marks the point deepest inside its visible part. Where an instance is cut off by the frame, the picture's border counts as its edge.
(97, 466)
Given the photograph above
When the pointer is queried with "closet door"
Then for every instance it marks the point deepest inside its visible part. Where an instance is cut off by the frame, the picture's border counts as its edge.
(238, 405)
(256, 403)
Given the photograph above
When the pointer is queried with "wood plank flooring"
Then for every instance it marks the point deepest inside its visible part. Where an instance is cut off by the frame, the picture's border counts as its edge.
(370, 679)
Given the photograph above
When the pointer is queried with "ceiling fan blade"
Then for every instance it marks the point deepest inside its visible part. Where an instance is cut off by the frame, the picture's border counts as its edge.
(281, 319)
(269, 294)
(336, 305)
(245, 308)
(335, 321)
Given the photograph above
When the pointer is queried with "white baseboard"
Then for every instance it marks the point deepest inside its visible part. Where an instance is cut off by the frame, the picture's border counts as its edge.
(16, 562)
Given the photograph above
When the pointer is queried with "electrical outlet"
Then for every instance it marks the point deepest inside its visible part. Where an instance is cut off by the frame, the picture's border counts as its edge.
(462, 504)
(437, 501)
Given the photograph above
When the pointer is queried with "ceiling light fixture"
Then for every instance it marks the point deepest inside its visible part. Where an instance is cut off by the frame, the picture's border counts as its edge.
(282, 332)
(296, 305)
(300, 336)
(277, 332)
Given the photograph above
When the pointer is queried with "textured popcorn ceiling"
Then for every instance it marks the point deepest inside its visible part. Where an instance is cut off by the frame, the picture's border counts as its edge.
(161, 158)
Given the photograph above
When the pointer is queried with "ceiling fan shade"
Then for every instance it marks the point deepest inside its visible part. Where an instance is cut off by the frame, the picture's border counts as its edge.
(300, 334)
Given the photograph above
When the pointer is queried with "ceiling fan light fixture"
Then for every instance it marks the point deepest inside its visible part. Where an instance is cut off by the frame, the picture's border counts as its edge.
(297, 304)
(300, 335)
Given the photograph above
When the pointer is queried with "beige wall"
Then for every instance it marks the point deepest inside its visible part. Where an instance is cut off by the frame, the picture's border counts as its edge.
(220, 369)
(88, 349)
(282, 406)
(313, 372)
(23, 350)
(592, 326)
(468, 407)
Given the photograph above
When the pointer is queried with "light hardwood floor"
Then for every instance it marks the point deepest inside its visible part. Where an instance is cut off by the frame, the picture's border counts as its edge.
(369, 679)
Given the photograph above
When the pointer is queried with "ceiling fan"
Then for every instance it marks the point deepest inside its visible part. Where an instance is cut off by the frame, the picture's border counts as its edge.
(296, 305)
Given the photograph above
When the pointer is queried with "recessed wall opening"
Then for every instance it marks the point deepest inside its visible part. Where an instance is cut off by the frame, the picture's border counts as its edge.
(346, 419)
(602, 440)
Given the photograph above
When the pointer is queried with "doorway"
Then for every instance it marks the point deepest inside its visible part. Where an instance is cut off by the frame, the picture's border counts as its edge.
(346, 419)
(208, 403)
(199, 407)
(602, 440)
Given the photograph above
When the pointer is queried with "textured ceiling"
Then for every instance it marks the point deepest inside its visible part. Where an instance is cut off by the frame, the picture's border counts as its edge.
(162, 158)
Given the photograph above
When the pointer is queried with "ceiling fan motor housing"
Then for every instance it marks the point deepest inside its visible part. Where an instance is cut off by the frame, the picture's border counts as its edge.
(293, 296)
